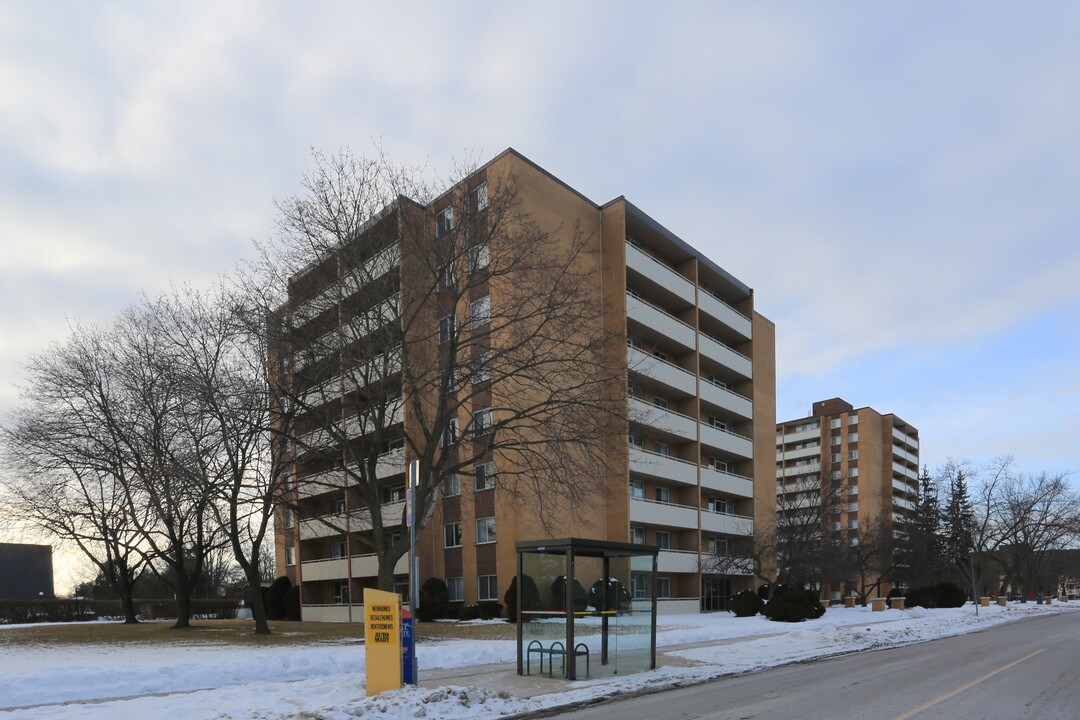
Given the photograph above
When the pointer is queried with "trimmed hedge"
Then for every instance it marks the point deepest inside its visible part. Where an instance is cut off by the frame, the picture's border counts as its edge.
(745, 604)
(483, 611)
(63, 610)
(434, 597)
(791, 604)
(530, 597)
(942, 595)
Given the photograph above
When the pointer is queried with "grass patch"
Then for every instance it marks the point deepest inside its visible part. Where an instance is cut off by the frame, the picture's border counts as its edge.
(228, 632)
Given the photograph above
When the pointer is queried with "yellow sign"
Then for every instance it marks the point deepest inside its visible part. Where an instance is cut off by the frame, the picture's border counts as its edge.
(382, 640)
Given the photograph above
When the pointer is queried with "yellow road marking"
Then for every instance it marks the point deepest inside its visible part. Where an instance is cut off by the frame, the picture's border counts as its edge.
(962, 688)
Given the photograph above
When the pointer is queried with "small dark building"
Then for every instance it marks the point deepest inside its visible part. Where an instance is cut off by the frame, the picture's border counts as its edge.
(26, 571)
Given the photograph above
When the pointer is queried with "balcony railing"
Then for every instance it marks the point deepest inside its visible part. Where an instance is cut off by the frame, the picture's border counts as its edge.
(655, 318)
(660, 273)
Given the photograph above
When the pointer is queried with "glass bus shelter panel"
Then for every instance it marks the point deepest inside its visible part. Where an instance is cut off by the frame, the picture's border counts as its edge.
(543, 617)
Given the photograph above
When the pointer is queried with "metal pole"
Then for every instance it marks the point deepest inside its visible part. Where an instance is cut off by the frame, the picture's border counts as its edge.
(974, 590)
(414, 570)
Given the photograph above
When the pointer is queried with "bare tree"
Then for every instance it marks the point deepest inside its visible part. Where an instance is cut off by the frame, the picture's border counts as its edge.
(865, 559)
(68, 477)
(453, 327)
(219, 352)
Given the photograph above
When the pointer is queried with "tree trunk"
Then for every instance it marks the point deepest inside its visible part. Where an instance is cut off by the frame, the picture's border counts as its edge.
(129, 610)
(183, 607)
(258, 607)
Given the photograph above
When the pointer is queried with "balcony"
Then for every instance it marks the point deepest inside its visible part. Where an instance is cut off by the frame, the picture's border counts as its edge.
(727, 524)
(389, 464)
(336, 568)
(665, 373)
(720, 310)
(727, 441)
(659, 273)
(677, 561)
(667, 421)
(813, 451)
(653, 465)
(905, 471)
(804, 469)
(729, 483)
(730, 401)
(901, 486)
(905, 455)
(359, 521)
(721, 353)
(905, 438)
(377, 266)
(903, 503)
(787, 438)
(355, 426)
(658, 513)
(660, 321)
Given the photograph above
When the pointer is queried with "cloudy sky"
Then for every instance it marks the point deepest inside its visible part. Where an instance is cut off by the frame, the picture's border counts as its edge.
(899, 184)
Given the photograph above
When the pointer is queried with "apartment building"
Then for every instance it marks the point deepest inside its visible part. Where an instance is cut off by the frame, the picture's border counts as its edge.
(695, 365)
(861, 465)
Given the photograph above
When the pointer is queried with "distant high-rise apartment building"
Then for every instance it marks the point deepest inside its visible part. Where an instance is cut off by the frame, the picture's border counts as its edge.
(697, 369)
(862, 466)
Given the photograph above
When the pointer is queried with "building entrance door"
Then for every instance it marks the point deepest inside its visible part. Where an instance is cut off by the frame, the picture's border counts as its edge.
(715, 590)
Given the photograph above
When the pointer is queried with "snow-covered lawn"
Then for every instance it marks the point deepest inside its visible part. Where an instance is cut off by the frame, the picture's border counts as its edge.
(326, 680)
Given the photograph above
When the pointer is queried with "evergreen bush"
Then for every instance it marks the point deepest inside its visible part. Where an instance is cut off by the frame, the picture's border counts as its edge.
(530, 597)
(434, 597)
(275, 598)
(745, 604)
(291, 604)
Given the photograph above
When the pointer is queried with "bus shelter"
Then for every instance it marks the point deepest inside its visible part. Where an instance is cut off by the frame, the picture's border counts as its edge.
(585, 608)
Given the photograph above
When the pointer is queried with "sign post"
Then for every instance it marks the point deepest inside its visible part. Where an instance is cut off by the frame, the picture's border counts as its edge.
(382, 640)
(413, 677)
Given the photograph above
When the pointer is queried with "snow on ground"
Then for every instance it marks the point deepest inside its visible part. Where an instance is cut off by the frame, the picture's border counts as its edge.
(325, 682)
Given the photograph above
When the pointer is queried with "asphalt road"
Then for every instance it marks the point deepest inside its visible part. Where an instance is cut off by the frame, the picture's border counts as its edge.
(1027, 669)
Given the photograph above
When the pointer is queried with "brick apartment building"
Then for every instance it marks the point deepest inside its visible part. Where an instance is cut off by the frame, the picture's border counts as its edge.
(697, 470)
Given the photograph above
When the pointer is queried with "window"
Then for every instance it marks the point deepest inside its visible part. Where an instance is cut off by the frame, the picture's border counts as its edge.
(853, 437)
(481, 368)
(853, 455)
(835, 457)
(639, 586)
(455, 589)
(477, 257)
(663, 587)
(339, 506)
(835, 474)
(446, 329)
(482, 421)
(853, 541)
(637, 441)
(853, 507)
(853, 490)
(716, 422)
(836, 526)
(289, 519)
(393, 494)
(452, 535)
(392, 537)
(836, 509)
(444, 221)
(401, 587)
(478, 198)
(635, 392)
(853, 524)
(286, 481)
(341, 592)
(721, 505)
(853, 420)
(718, 546)
(834, 423)
(391, 445)
(663, 495)
(484, 475)
(635, 343)
(485, 530)
(637, 489)
(662, 448)
(660, 355)
(450, 434)
(637, 534)
(663, 540)
(853, 472)
(451, 486)
(444, 278)
(487, 587)
(290, 556)
(339, 549)
(661, 403)
(722, 465)
(480, 312)
(835, 440)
